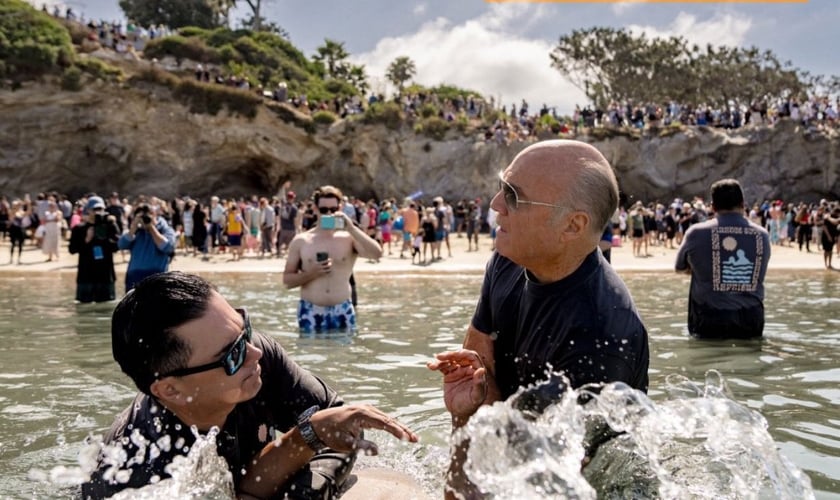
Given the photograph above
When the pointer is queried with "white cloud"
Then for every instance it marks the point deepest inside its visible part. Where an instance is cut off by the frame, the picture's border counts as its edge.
(481, 54)
(620, 7)
(721, 29)
(419, 9)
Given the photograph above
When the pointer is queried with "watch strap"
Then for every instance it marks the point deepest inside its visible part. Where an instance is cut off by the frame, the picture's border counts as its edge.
(308, 432)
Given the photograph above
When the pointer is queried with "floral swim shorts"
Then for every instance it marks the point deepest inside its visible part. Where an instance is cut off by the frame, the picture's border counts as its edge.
(313, 318)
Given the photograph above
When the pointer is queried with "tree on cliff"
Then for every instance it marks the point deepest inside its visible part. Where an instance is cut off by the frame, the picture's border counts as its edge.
(615, 64)
(332, 55)
(400, 71)
(32, 42)
(257, 20)
(177, 13)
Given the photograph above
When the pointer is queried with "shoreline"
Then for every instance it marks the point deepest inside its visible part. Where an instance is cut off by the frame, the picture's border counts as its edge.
(661, 259)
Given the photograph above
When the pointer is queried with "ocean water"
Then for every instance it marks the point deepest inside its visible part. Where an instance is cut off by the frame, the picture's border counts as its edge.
(777, 400)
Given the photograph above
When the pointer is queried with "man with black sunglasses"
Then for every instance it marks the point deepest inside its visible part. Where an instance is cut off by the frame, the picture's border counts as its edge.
(321, 261)
(549, 301)
(199, 365)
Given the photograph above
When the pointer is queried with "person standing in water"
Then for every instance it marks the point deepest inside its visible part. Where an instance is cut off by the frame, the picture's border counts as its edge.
(321, 261)
(727, 258)
(549, 298)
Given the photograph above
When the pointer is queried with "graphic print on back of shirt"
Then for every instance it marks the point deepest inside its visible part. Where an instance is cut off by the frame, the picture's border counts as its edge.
(735, 251)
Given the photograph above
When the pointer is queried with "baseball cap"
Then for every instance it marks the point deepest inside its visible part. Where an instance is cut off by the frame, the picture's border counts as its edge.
(93, 203)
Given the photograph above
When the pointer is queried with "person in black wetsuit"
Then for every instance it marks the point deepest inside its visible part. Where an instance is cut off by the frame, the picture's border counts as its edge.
(197, 362)
(549, 298)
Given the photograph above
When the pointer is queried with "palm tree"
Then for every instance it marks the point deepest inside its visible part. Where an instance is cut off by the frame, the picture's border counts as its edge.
(401, 71)
(358, 78)
(332, 53)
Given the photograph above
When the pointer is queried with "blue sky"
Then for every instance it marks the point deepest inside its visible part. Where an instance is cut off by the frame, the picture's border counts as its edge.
(502, 50)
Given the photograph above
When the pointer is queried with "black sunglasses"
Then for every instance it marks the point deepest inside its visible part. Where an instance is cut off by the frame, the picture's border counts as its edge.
(328, 210)
(512, 199)
(232, 360)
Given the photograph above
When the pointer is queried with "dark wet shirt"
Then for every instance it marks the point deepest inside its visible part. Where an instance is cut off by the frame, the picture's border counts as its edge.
(286, 392)
(584, 325)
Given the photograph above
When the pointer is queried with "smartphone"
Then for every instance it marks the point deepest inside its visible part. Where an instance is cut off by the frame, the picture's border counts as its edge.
(322, 256)
(327, 222)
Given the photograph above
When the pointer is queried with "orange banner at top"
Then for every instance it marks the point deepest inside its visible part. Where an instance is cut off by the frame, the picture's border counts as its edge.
(646, 1)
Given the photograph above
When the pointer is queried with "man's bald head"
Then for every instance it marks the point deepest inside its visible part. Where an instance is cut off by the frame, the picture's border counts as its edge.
(577, 174)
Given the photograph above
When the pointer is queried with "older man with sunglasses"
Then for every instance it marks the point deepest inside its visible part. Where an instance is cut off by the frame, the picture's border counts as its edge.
(549, 301)
(321, 261)
(199, 365)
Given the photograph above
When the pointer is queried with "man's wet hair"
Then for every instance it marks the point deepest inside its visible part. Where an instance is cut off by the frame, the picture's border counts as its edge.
(727, 195)
(143, 340)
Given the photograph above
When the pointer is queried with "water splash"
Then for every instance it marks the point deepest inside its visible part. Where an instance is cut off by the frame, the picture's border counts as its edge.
(696, 444)
(201, 473)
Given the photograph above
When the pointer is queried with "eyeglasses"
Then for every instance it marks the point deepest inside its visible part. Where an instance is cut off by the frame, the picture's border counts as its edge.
(232, 360)
(328, 210)
(512, 199)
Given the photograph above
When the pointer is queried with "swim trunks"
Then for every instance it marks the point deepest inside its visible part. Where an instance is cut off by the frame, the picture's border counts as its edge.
(314, 318)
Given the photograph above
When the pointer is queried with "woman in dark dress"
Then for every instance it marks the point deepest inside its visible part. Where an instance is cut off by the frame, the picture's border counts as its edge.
(199, 236)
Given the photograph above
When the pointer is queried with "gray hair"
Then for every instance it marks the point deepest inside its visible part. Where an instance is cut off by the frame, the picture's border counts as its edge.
(596, 193)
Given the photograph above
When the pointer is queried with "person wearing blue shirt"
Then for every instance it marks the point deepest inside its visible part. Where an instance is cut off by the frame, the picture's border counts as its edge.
(151, 242)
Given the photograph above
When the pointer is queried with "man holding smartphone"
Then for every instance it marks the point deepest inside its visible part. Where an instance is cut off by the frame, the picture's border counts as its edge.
(321, 260)
(151, 242)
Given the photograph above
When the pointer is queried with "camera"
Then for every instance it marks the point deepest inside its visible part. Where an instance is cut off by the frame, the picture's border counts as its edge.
(146, 219)
(331, 222)
(99, 219)
(322, 256)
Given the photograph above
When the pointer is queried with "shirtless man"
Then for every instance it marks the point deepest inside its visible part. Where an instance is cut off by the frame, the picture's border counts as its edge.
(321, 260)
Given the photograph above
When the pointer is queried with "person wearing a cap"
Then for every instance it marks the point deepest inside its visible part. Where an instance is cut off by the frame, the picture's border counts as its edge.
(727, 258)
(95, 241)
(151, 242)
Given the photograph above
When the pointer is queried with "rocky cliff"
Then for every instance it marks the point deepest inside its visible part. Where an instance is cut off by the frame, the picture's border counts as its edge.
(138, 139)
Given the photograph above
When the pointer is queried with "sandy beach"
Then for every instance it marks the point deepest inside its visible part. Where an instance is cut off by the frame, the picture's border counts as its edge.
(661, 259)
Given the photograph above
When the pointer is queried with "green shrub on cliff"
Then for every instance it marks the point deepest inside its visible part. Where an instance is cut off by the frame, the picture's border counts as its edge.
(263, 58)
(181, 48)
(72, 79)
(324, 118)
(433, 127)
(386, 113)
(200, 97)
(31, 42)
(99, 69)
(209, 98)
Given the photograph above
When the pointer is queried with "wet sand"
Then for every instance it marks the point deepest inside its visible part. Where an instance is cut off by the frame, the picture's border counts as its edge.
(661, 259)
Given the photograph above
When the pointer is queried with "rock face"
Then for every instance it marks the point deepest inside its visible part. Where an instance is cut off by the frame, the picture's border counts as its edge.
(139, 140)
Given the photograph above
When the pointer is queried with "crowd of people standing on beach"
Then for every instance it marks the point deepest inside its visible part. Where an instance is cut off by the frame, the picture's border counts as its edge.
(260, 227)
(256, 227)
(789, 224)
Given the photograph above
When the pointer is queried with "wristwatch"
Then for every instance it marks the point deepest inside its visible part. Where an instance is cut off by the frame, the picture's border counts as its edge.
(307, 432)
